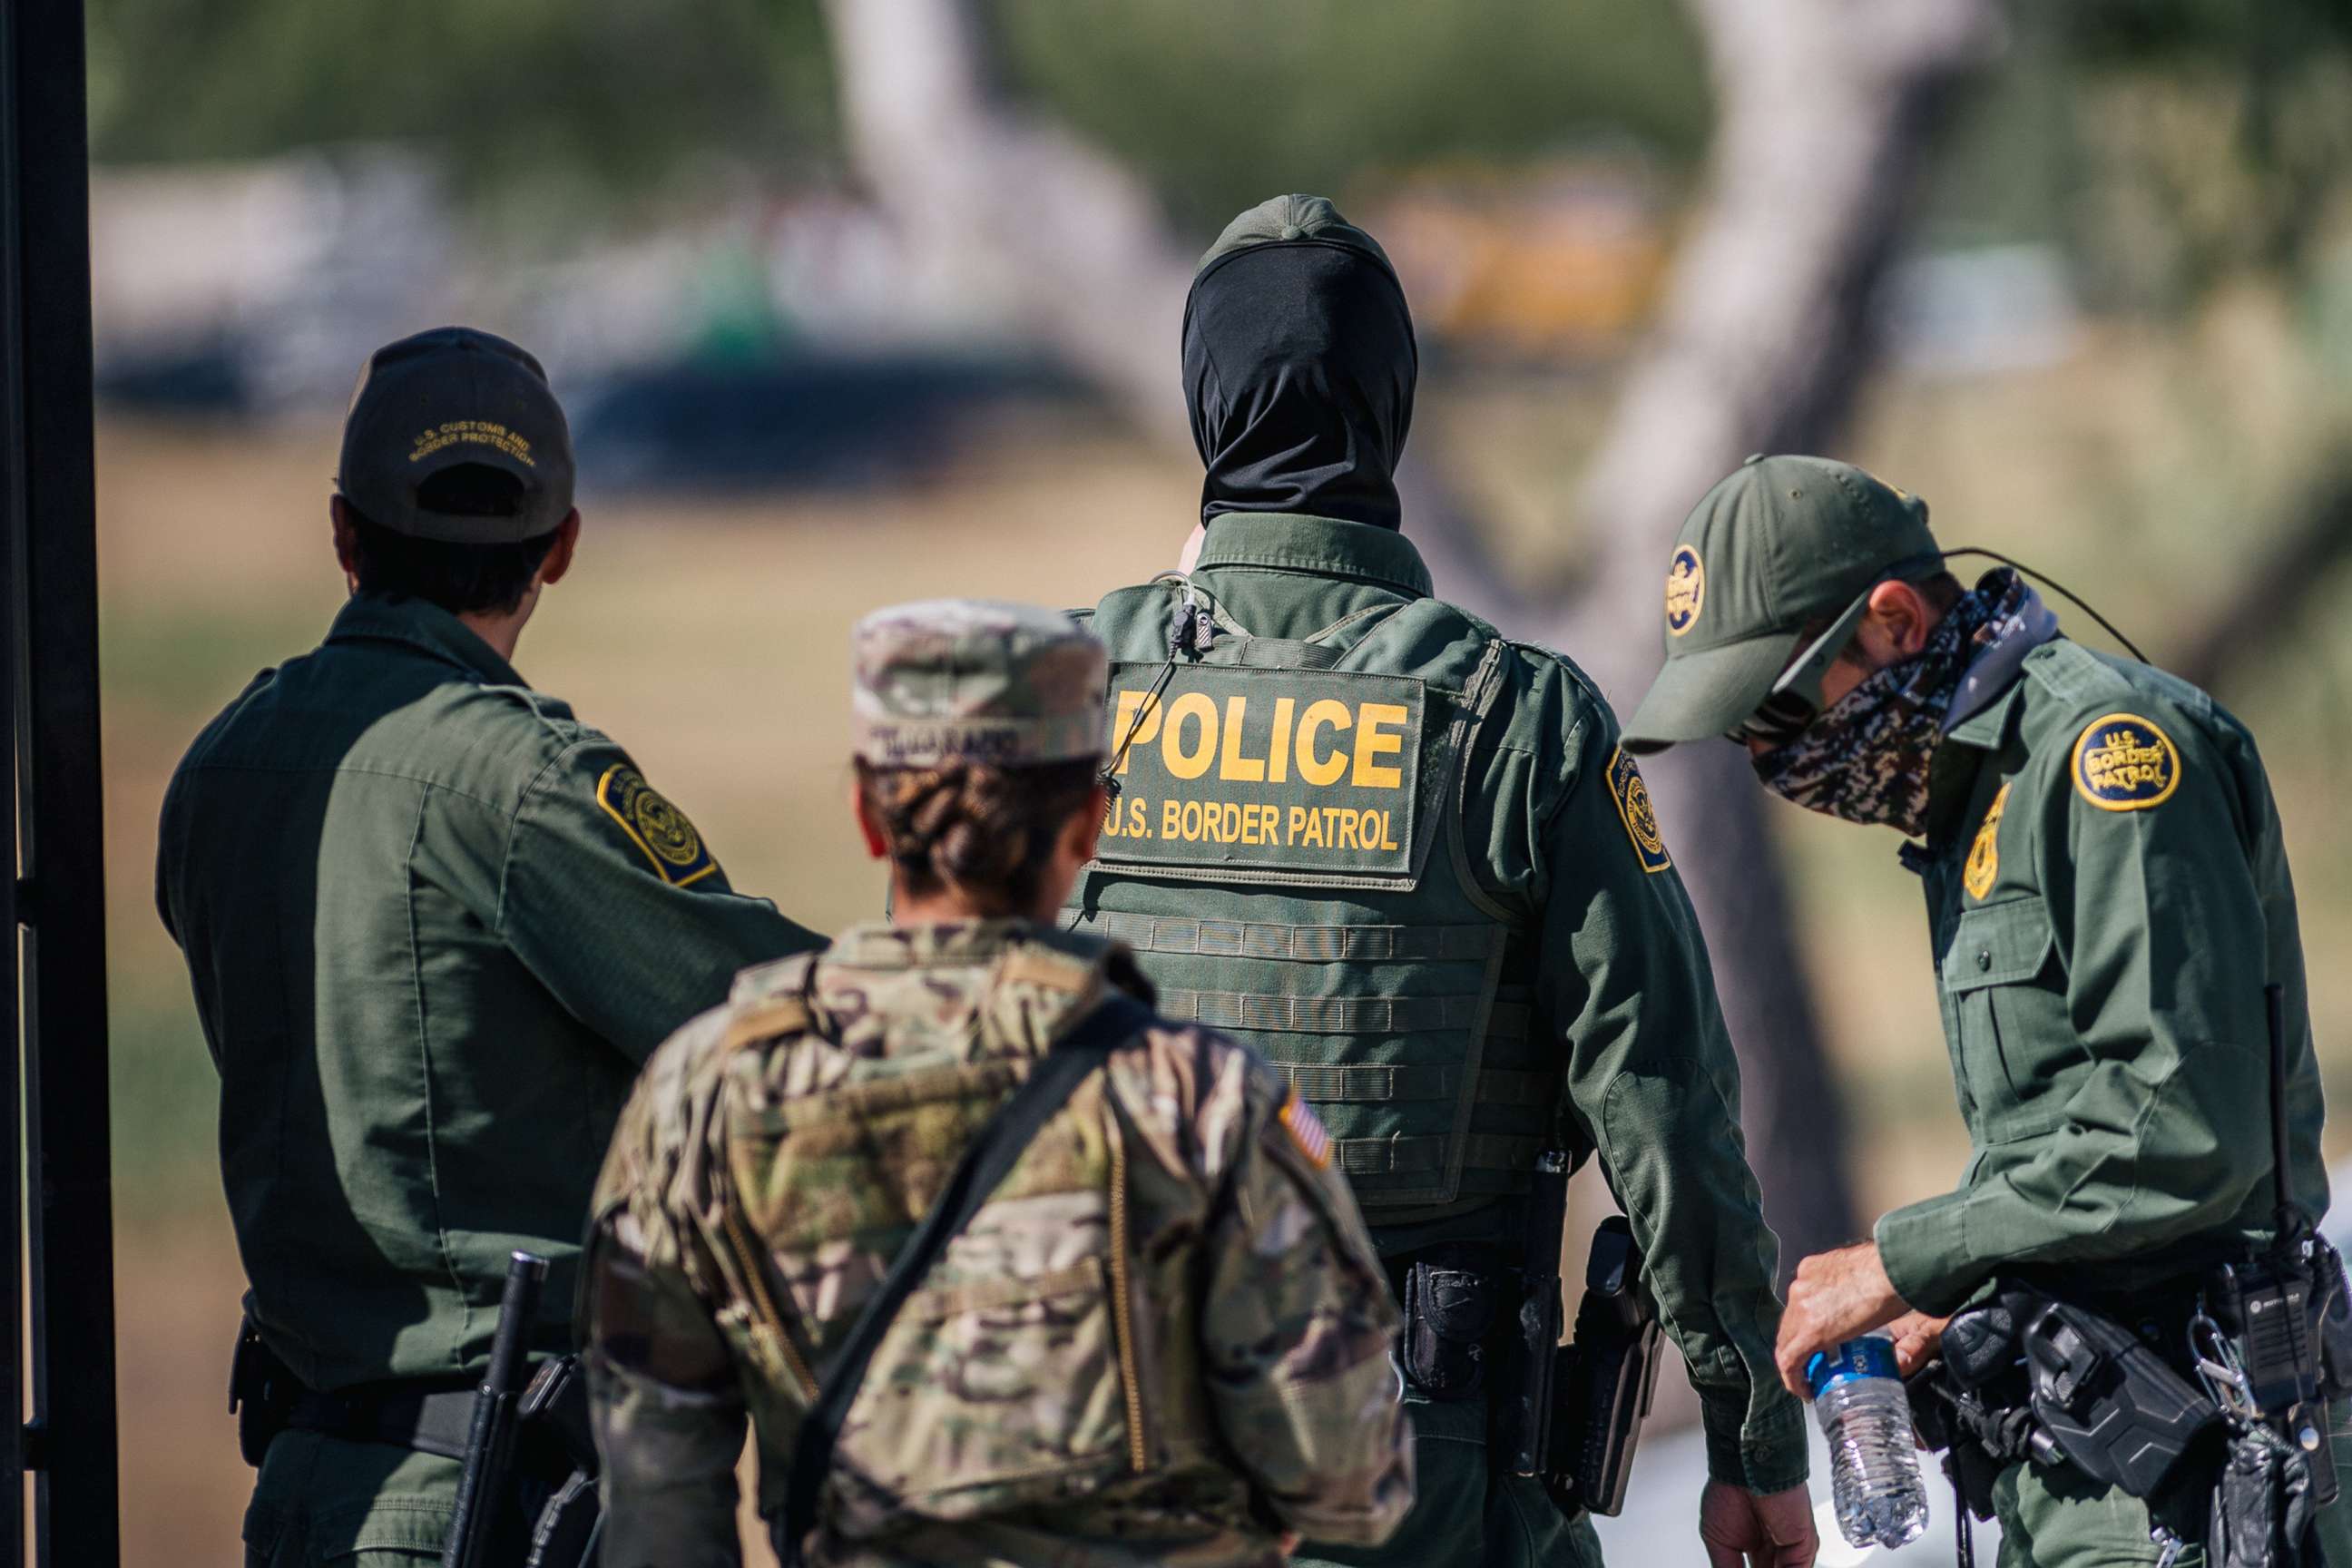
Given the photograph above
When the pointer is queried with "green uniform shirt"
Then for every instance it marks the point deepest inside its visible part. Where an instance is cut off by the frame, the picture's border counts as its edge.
(2107, 894)
(1620, 986)
(434, 924)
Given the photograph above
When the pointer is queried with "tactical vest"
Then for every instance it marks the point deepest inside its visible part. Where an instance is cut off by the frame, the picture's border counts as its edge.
(1020, 1373)
(1286, 856)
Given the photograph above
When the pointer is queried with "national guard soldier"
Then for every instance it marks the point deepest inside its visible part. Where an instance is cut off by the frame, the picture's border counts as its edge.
(1402, 856)
(1140, 1323)
(435, 923)
(2107, 895)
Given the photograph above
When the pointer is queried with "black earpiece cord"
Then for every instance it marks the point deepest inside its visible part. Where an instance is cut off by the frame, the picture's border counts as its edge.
(2052, 584)
(1188, 628)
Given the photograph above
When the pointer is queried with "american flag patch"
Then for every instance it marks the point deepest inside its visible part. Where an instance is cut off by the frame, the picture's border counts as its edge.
(1306, 1130)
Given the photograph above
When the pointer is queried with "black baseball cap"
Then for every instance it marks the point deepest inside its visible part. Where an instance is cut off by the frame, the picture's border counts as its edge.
(1784, 549)
(443, 399)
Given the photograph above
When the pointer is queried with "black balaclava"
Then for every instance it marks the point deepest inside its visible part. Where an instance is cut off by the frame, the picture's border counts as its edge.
(1298, 367)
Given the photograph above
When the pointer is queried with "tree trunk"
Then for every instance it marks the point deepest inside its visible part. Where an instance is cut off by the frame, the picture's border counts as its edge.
(2262, 609)
(1824, 111)
(1064, 243)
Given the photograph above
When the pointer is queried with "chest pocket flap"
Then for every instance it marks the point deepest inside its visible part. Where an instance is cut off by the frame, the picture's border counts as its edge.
(1999, 944)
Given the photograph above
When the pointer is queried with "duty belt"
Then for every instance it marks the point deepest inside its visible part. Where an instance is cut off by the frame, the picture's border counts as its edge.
(430, 1415)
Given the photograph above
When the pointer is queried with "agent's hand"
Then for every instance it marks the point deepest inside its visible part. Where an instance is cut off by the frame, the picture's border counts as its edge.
(1917, 1337)
(1741, 1530)
(1835, 1296)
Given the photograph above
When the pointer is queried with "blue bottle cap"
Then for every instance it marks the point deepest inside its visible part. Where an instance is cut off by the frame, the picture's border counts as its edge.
(1870, 1356)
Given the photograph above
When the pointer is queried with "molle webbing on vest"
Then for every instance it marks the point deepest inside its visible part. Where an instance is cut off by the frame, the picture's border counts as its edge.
(1421, 1158)
(1342, 1014)
(1299, 943)
(1324, 1084)
(1372, 970)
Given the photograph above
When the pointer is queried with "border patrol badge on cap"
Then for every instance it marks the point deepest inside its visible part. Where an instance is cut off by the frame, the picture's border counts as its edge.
(450, 398)
(1782, 549)
(948, 681)
(1686, 589)
(2125, 762)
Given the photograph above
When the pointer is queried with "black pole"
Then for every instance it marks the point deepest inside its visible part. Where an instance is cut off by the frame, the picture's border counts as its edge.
(12, 576)
(69, 1441)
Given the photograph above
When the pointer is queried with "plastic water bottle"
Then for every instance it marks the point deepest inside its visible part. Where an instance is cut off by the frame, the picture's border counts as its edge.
(1875, 1479)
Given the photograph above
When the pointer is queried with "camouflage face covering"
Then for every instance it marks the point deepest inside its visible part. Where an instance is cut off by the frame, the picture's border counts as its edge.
(1865, 758)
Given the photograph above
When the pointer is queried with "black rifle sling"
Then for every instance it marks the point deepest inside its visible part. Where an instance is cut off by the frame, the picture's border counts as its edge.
(986, 1162)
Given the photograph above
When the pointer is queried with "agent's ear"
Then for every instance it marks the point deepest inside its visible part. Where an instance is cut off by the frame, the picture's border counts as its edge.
(1902, 618)
(559, 554)
(338, 528)
(877, 842)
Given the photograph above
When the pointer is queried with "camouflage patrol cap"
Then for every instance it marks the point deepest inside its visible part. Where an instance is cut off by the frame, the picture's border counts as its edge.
(976, 680)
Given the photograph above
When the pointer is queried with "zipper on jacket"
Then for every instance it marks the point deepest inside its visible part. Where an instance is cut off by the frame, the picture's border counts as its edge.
(763, 1305)
(1122, 1303)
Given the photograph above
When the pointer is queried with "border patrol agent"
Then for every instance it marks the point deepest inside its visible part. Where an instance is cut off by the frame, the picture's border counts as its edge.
(435, 923)
(2107, 894)
(1404, 856)
(1155, 1333)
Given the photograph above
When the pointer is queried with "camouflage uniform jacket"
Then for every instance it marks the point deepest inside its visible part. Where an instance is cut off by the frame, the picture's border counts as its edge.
(1165, 1339)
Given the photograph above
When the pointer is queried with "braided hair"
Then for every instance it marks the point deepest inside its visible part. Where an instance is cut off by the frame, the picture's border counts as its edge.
(985, 833)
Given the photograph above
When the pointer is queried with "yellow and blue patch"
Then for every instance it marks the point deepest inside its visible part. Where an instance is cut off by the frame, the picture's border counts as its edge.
(2125, 762)
(655, 826)
(1640, 817)
(1685, 589)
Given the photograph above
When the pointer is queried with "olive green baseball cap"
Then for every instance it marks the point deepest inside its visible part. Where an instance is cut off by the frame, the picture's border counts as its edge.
(446, 398)
(1768, 577)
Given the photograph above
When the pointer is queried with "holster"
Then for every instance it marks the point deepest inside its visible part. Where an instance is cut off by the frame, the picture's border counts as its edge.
(262, 1391)
(554, 1500)
(1605, 1379)
(1451, 1307)
(2111, 1403)
(1568, 1415)
(2025, 1376)
(556, 1432)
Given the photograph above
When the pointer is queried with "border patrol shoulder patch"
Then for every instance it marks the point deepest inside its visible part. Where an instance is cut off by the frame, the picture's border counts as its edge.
(655, 826)
(2125, 762)
(1634, 810)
